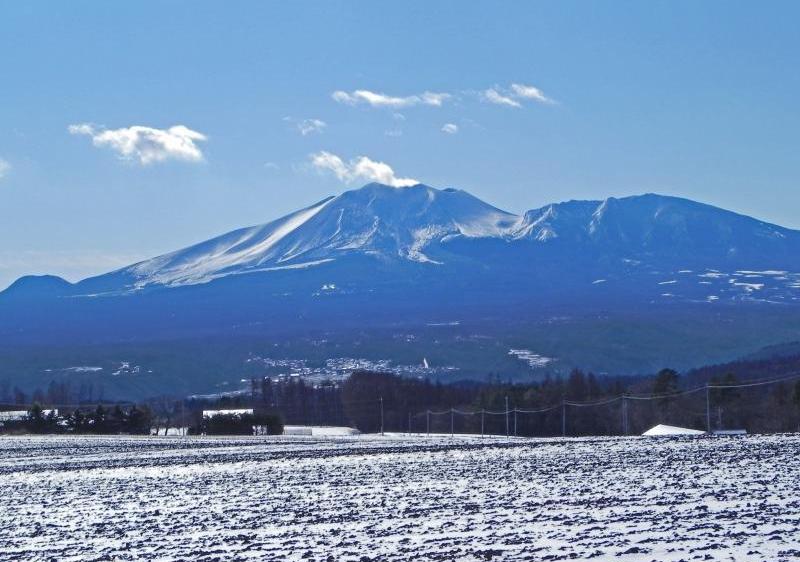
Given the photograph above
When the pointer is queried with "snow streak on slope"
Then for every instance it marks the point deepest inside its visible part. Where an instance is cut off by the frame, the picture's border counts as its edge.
(244, 250)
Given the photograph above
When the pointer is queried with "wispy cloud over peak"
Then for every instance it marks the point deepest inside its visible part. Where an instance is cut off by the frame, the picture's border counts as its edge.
(146, 145)
(511, 96)
(434, 98)
(360, 168)
(493, 96)
(530, 92)
(5, 167)
(375, 99)
(310, 126)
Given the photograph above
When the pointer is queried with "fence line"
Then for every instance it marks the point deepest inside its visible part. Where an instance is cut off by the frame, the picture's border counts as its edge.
(510, 412)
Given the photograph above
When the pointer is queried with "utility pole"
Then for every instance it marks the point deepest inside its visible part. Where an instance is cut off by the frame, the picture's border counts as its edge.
(381, 415)
(563, 418)
(708, 409)
(428, 423)
(515, 421)
(624, 416)
(451, 423)
(482, 412)
(506, 416)
(409, 424)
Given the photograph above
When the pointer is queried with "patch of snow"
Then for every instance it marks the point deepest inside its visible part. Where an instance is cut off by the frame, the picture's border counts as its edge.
(749, 287)
(765, 272)
(320, 431)
(534, 360)
(82, 369)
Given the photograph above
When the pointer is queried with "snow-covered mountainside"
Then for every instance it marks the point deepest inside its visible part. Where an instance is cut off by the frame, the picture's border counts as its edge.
(378, 220)
(420, 224)
(658, 225)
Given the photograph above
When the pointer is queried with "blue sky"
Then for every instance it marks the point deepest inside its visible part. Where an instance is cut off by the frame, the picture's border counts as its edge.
(128, 130)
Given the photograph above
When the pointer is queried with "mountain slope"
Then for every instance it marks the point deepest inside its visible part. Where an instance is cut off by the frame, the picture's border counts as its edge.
(662, 227)
(378, 220)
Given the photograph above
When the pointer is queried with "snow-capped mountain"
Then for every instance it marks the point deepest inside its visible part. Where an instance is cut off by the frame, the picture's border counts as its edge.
(660, 226)
(378, 220)
(424, 225)
(622, 285)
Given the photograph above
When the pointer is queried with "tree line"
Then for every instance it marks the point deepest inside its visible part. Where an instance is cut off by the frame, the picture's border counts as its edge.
(134, 420)
(370, 401)
(595, 406)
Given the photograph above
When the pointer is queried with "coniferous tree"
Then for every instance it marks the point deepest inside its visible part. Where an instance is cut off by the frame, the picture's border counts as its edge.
(98, 419)
(36, 418)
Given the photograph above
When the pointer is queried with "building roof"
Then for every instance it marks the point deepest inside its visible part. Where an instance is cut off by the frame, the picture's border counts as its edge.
(662, 430)
(212, 413)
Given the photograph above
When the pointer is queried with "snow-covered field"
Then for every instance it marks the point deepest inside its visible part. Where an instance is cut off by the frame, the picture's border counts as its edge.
(399, 498)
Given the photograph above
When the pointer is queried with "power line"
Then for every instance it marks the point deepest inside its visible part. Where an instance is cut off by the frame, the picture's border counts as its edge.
(623, 397)
(756, 383)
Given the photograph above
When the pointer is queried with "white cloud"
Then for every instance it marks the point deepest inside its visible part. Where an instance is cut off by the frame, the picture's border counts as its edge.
(309, 126)
(450, 128)
(81, 129)
(375, 99)
(434, 98)
(146, 144)
(361, 168)
(5, 167)
(271, 166)
(326, 161)
(493, 96)
(530, 92)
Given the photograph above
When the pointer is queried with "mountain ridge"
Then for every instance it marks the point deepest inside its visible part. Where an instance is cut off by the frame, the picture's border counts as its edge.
(419, 223)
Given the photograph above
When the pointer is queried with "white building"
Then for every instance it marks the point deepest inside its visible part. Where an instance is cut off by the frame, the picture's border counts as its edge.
(663, 430)
(214, 413)
(21, 415)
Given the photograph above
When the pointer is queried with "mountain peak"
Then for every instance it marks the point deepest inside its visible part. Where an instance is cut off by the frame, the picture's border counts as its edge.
(38, 286)
(379, 185)
(650, 225)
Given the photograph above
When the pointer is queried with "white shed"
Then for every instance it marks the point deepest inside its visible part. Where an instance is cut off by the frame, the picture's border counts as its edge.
(662, 430)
